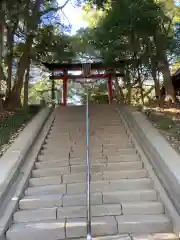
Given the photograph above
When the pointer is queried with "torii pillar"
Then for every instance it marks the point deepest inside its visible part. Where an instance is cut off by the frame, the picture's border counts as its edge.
(65, 82)
(110, 89)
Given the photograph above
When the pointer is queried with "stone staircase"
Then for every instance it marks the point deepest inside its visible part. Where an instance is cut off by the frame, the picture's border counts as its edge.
(124, 200)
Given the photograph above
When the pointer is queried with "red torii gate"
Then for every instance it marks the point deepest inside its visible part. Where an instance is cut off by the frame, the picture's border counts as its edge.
(63, 68)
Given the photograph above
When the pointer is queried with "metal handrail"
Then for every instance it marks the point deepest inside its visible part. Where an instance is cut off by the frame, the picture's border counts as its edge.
(88, 170)
(86, 72)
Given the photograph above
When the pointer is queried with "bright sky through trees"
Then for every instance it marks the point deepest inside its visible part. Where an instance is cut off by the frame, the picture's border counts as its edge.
(73, 16)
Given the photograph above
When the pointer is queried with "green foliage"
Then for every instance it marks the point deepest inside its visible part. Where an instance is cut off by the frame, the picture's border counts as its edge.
(40, 91)
(51, 45)
(138, 35)
(12, 124)
(97, 94)
(165, 124)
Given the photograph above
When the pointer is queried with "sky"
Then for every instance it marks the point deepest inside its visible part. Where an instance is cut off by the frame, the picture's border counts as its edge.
(73, 15)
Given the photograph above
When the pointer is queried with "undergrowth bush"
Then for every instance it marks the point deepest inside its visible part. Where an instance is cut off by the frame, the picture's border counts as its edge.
(13, 123)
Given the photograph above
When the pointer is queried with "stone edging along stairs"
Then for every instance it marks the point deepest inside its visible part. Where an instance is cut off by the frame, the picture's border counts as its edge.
(124, 200)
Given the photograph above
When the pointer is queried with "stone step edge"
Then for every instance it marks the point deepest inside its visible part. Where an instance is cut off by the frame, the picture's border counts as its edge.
(81, 174)
(94, 194)
(111, 225)
(100, 210)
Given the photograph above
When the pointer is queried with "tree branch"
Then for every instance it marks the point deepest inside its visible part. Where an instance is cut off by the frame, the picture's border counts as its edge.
(64, 5)
(54, 9)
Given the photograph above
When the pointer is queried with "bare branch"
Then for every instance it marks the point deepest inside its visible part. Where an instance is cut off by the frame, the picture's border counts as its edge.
(64, 5)
(54, 9)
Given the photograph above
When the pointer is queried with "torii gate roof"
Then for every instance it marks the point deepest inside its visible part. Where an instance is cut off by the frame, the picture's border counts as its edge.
(78, 66)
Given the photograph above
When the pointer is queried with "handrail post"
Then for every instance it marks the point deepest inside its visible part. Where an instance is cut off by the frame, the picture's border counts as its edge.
(88, 175)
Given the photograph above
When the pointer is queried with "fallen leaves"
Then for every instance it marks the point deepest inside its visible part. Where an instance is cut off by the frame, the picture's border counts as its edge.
(11, 124)
(4, 147)
(167, 121)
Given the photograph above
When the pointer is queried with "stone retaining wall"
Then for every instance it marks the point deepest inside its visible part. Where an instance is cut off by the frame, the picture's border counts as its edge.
(13, 158)
(162, 156)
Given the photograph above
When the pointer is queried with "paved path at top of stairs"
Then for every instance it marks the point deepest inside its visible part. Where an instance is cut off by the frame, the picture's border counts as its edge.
(124, 200)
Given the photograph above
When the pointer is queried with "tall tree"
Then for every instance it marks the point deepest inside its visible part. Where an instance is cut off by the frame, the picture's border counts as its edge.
(135, 28)
(22, 24)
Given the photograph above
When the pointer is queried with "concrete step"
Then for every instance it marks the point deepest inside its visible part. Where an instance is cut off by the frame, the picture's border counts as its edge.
(53, 230)
(52, 164)
(121, 166)
(144, 224)
(101, 226)
(83, 155)
(43, 181)
(81, 177)
(54, 145)
(124, 166)
(155, 236)
(81, 148)
(37, 215)
(122, 158)
(45, 190)
(44, 214)
(117, 147)
(108, 133)
(55, 155)
(113, 185)
(45, 158)
(94, 168)
(99, 210)
(119, 153)
(56, 152)
(122, 144)
(93, 159)
(115, 237)
(110, 197)
(67, 162)
(139, 208)
(36, 202)
(129, 196)
(96, 186)
(126, 174)
(106, 144)
(45, 172)
(57, 200)
(112, 175)
(55, 140)
(106, 157)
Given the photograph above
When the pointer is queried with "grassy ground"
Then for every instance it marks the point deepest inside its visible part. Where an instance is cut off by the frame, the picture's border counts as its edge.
(11, 124)
(167, 121)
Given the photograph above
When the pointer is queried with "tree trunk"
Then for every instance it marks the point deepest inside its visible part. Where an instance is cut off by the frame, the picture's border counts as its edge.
(13, 99)
(127, 80)
(156, 84)
(161, 48)
(9, 57)
(26, 86)
(2, 20)
(167, 80)
(1, 106)
(157, 89)
(140, 85)
(119, 93)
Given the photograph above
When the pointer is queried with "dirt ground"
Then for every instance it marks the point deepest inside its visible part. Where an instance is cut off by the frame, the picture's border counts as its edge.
(167, 121)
